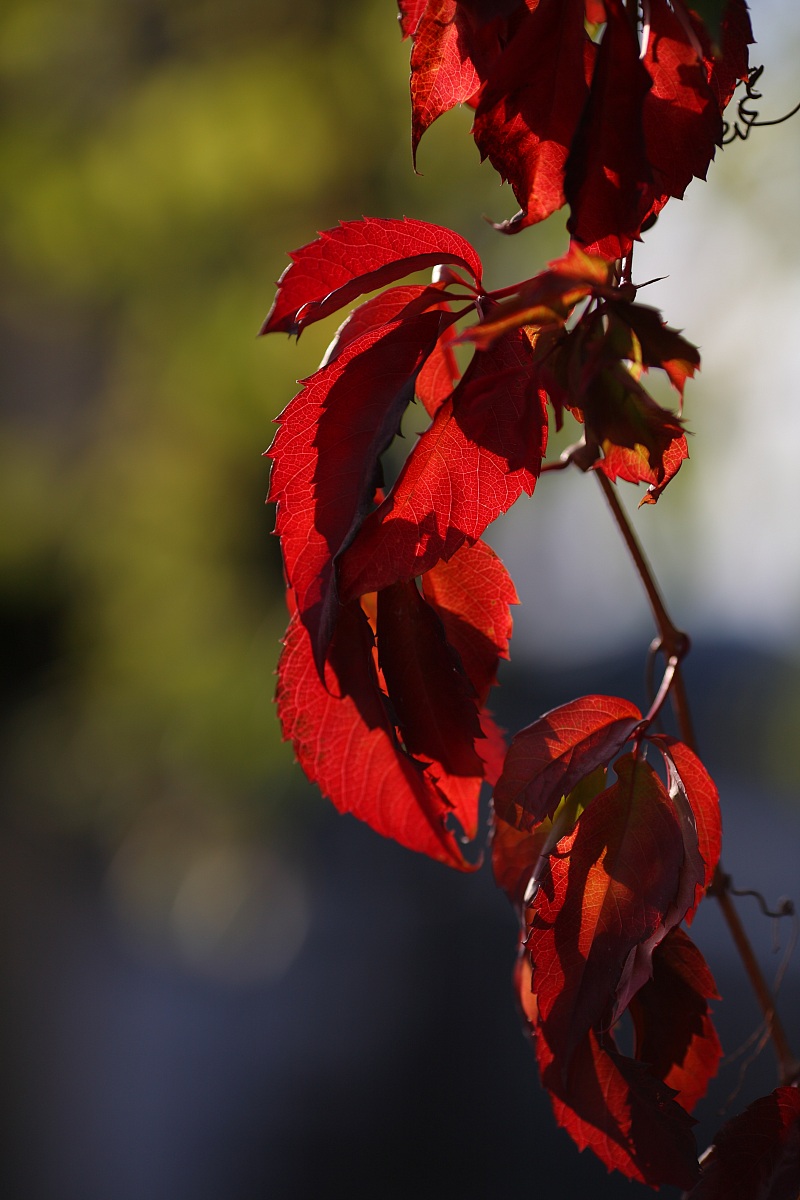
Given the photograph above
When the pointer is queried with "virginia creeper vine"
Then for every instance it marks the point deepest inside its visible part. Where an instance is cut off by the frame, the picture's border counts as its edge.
(605, 832)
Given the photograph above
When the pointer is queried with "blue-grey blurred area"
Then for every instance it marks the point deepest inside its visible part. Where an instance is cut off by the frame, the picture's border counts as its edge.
(211, 984)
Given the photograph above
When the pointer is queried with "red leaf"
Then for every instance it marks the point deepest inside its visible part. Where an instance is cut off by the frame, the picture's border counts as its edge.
(614, 1106)
(546, 760)
(657, 345)
(359, 257)
(757, 1154)
(326, 457)
(439, 376)
(682, 119)
(443, 73)
(675, 1035)
(608, 178)
(410, 13)
(688, 775)
(345, 742)
(396, 304)
(472, 592)
(482, 451)
(612, 888)
(433, 701)
(633, 465)
(731, 66)
(529, 110)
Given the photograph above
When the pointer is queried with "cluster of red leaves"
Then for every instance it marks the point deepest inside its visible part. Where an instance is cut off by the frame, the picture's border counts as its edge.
(401, 612)
(612, 126)
(603, 876)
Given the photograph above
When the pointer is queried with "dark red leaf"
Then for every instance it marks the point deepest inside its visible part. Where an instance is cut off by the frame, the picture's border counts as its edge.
(657, 345)
(730, 67)
(614, 1106)
(409, 15)
(433, 701)
(472, 592)
(547, 760)
(482, 451)
(327, 457)
(529, 110)
(346, 742)
(682, 119)
(439, 376)
(359, 257)
(610, 896)
(608, 179)
(756, 1156)
(675, 1035)
(396, 304)
(688, 776)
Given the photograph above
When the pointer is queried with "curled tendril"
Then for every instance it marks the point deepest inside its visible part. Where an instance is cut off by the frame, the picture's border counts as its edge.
(747, 118)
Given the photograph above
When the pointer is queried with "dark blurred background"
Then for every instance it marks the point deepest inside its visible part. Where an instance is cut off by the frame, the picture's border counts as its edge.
(212, 985)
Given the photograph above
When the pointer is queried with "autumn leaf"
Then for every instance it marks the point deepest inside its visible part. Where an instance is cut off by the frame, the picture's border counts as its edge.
(757, 1154)
(356, 258)
(689, 780)
(482, 451)
(674, 1032)
(547, 760)
(327, 452)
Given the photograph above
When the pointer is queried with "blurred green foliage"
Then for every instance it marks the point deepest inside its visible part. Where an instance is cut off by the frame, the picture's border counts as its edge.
(161, 157)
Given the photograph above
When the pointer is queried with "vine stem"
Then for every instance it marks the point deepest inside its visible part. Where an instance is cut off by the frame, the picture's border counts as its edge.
(675, 645)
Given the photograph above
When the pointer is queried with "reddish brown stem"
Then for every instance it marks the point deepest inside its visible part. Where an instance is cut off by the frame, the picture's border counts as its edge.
(674, 643)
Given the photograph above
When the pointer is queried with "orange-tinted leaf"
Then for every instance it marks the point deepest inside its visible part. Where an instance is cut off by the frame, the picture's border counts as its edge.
(327, 457)
(482, 451)
(675, 1035)
(356, 258)
(612, 889)
(633, 465)
(757, 1154)
(546, 760)
(345, 742)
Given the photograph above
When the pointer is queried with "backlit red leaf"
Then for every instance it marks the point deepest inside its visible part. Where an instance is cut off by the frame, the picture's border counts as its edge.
(345, 741)
(675, 1035)
(443, 73)
(359, 257)
(327, 457)
(396, 304)
(608, 178)
(688, 776)
(529, 110)
(433, 701)
(756, 1156)
(547, 760)
(633, 465)
(472, 592)
(614, 1106)
(482, 451)
(611, 887)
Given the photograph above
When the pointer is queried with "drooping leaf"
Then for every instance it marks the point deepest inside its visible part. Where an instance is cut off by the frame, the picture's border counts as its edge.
(547, 760)
(395, 304)
(757, 1154)
(657, 344)
(613, 1105)
(529, 110)
(432, 698)
(438, 378)
(483, 449)
(618, 411)
(359, 257)
(688, 776)
(612, 887)
(472, 593)
(443, 73)
(327, 452)
(674, 1032)
(608, 178)
(346, 742)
